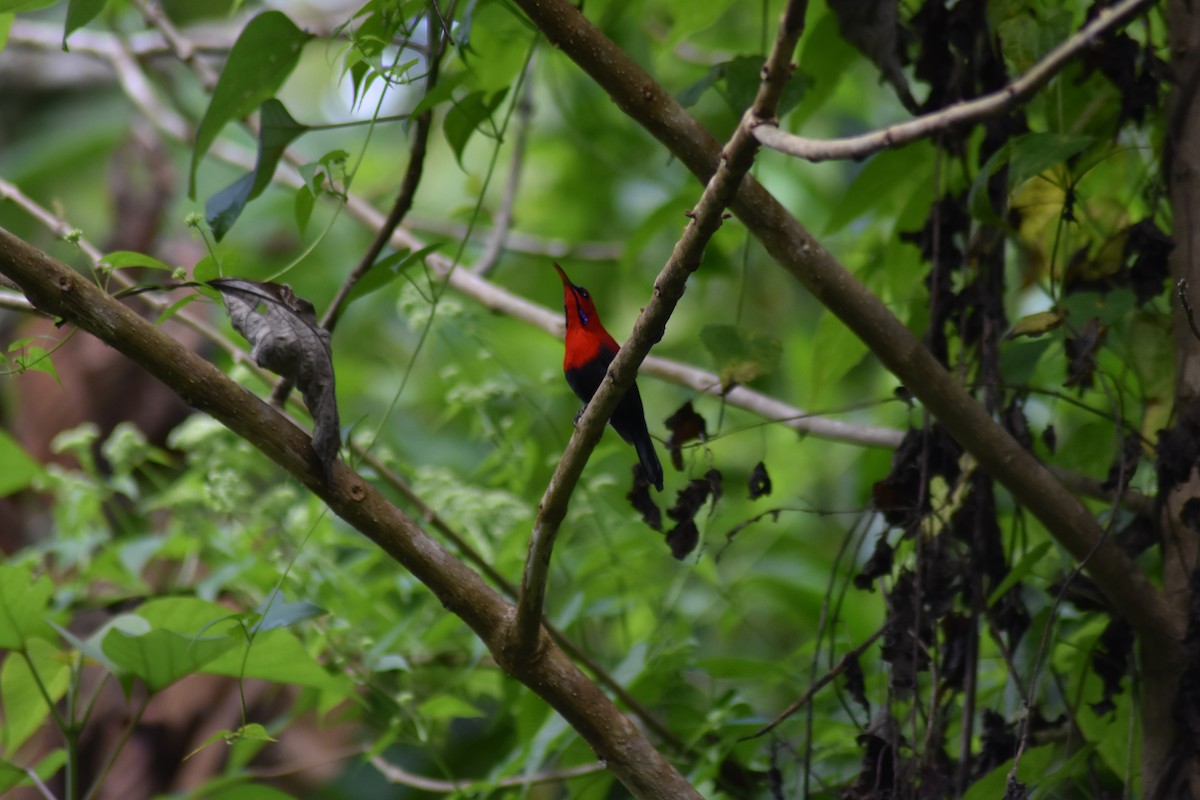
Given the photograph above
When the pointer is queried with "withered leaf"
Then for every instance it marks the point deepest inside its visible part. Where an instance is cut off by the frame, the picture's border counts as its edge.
(856, 683)
(1081, 352)
(639, 497)
(1111, 662)
(760, 481)
(685, 425)
(1121, 471)
(878, 565)
(688, 502)
(287, 340)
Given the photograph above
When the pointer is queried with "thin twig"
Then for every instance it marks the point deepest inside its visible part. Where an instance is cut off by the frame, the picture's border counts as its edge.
(408, 186)
(1182, 289)
(180, 45)
(498, 237)
(523, 242)
(706, 219)
(402, 776)
(856, 147)
(817, 686)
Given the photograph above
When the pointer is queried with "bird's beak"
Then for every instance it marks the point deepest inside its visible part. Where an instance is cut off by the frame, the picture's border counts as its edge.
(566, 281)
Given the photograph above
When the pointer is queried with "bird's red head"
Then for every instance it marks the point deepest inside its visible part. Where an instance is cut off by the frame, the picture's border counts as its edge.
(586, 337)
(580, 310)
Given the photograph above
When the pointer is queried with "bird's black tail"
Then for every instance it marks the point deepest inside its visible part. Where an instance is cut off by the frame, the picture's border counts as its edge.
(650, 462)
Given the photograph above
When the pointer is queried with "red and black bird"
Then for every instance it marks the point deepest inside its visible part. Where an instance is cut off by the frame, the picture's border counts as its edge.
(590, 349)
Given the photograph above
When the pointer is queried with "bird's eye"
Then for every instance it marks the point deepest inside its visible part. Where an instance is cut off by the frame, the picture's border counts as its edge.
(583, 293)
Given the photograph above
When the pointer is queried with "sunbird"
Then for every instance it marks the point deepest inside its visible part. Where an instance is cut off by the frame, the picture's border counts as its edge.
(590, 349)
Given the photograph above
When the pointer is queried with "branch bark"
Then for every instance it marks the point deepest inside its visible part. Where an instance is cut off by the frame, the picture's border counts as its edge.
(794, 248)
(56, 289)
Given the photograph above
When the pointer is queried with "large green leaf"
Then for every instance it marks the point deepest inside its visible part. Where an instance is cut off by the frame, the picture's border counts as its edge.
(19, 468)
(24, 603)
(277, 656)
(160, 657)
(25, 708)
(262, 57)
(741, 354)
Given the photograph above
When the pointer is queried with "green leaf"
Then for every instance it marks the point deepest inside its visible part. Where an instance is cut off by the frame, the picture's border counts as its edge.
(253, 732)
(889, 179)
(278, 613)
(247, 791)
(12, 775)
(1032, 767)
(741, 354)
(742, 76)
(499, 44)
(25, 708)
(124, 259)
(19, 468)
(305, 203)
(448, 706)
(1025, 156)
(80, 13)
(280, 657)
(466, 117)
(6, 21)
(160, 657)
(387, 270)
(1018, 572)
(19, 6)
(263, 56)
(24, 603)
(277, 130)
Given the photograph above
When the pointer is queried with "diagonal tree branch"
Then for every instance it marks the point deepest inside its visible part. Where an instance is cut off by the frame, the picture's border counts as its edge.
(794, 248)
(706, 218)
(56, 289)
(1039, 75)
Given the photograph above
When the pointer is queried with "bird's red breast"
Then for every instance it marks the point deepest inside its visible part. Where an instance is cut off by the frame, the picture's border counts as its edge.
(587, 341)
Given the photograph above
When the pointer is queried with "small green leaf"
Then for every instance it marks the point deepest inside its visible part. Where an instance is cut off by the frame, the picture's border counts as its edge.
(262, 57)
(12, 775)
(24, 603)
(741, 355)
(305, 203)
(387, 270)
(277, 130)
(448, 706)
(466, 117)
(124, 259)
(253, 732)
(692, 94)
(440, 93)
(80, 13)
(19, 468)
(278, 613)
(1018, 572)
